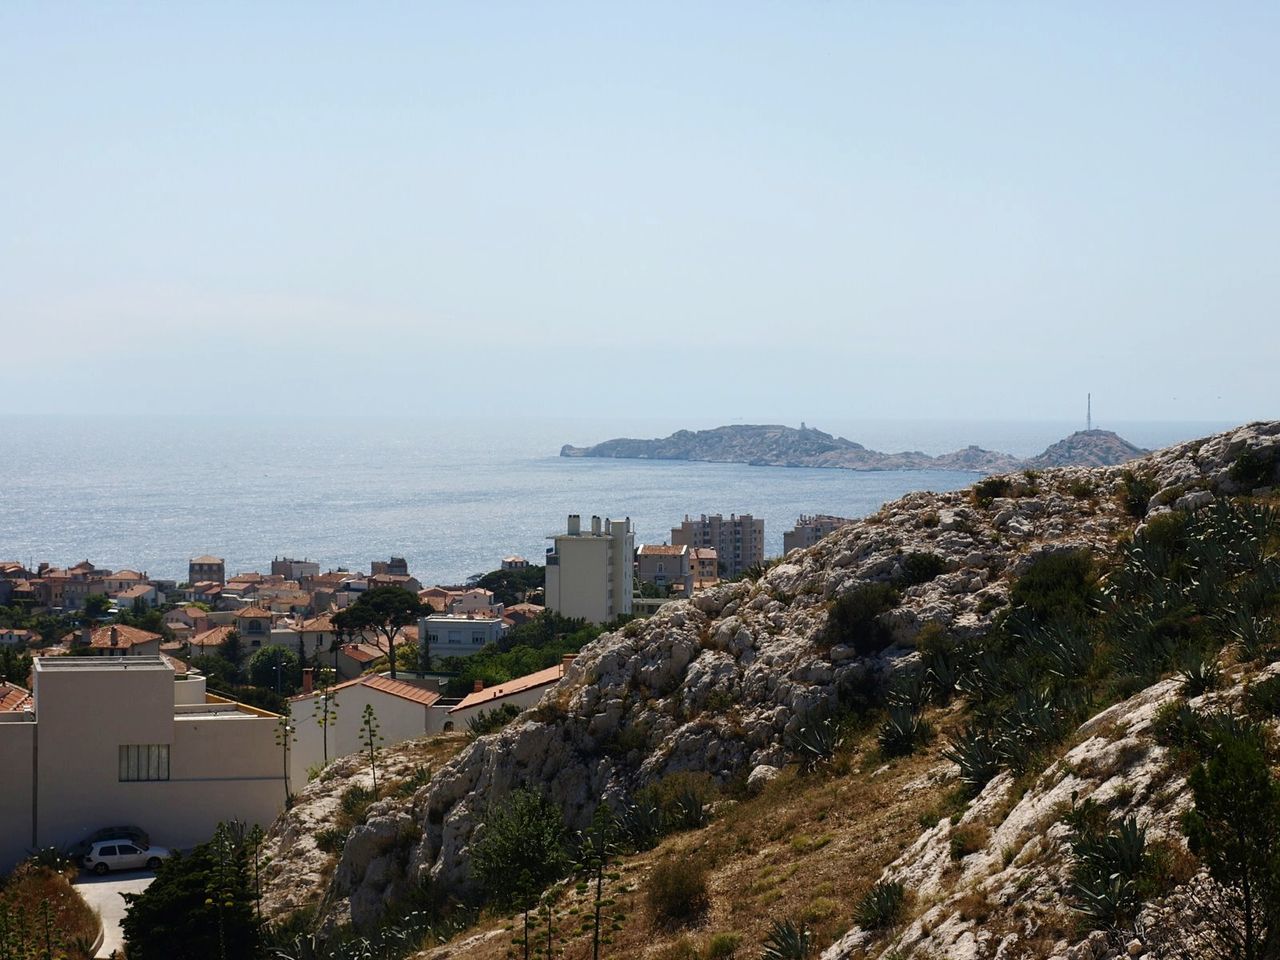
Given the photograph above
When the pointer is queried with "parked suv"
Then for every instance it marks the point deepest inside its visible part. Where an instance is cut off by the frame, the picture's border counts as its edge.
(122, 854)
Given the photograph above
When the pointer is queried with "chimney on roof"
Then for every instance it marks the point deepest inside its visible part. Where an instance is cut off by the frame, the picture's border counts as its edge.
(115, 636)
(308, 681)
(595, 526)
(86, 634)
(575, 524)
(478, 687)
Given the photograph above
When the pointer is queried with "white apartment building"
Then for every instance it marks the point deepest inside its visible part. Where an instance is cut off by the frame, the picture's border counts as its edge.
(590, 572)
(119, 740)
(449, 635)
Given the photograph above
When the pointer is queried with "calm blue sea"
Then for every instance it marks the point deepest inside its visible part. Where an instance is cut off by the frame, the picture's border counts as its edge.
(453, 497)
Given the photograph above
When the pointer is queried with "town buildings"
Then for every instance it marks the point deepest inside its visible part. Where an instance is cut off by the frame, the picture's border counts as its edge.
(590, 573)
(206, 570)
(123, 740)
(809, 530)
(395, 567)
(667, 567)
(738, 541)
(292, 569)
(515, 563)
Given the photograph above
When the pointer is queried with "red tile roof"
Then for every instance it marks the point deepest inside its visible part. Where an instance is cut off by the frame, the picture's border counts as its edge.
(13, 697)
(141, 590)
(661, 550)
(212, 638)
(118, 635)
(520, 684)
(251, 612)
(376, 681)
(363, 652)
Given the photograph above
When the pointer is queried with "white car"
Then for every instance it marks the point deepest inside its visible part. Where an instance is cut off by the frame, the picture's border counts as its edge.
(123, 854)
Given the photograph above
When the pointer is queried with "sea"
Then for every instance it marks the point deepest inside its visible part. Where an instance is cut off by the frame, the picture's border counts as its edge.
(451, 496)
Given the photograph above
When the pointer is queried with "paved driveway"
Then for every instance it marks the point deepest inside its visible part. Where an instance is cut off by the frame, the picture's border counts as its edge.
(103, 895)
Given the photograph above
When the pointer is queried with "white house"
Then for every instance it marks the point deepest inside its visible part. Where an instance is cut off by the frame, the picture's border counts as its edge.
(404, 709)
(521, 692)
(121, 741)
(458, 636)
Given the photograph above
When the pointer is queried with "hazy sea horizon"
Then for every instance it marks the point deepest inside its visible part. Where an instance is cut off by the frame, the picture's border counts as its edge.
(453, 496)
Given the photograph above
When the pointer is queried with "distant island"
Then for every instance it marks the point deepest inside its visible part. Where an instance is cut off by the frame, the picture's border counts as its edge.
(779, 446)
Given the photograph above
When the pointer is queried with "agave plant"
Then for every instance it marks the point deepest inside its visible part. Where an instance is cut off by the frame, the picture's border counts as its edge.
(1200, 677)
(908, 689)
(641, 824)
(687, 811)
(974, 753)
(787, 941)
(1108, 867)
(903, 731)
(816, 744)
(883, 906)
(941, 672)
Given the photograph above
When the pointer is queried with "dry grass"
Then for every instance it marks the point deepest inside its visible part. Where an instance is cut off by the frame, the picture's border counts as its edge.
(807, 848)
(41, 913)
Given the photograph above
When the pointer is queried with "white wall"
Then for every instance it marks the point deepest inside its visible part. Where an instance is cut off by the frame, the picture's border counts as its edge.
(398, 720)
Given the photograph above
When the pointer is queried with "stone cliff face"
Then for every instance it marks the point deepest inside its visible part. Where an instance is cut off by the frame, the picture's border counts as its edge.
(718, 682)
(780, 446)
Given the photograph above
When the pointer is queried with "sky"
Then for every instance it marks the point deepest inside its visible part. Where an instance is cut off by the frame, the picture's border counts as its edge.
(762, 211)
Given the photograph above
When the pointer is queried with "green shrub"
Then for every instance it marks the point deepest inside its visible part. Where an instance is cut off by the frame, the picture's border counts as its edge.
(1262, 697)
(1177, 725)
(1110, 871)
(722, 946)
(966, 839)
(919, 567)
(677, 892)
(1136, 492)
(1082, 489)
(332, 839)
(491, 721)
(1058, 586)
(1252, 470)
(354, 804)
(985, 491)
(855, 618)
(883, 906)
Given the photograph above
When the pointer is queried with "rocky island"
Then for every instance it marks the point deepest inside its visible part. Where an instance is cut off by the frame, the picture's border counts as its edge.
(774, 445)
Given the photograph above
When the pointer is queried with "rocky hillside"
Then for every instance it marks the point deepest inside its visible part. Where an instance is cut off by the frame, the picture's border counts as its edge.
(725, 682)
(779, 446)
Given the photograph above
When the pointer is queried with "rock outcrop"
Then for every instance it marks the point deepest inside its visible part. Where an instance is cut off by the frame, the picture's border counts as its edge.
(718, 683)
(779, 446)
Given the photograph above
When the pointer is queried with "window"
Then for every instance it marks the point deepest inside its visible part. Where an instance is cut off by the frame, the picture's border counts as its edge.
(128, 851)
(107, 852)
(145, 761)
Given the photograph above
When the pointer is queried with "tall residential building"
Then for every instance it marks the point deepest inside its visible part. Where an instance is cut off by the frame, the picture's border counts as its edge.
(206, 570)
(738, 541)
(590, 572)
(809, 530)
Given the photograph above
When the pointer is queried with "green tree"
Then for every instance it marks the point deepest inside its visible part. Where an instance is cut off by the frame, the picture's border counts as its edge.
(232, 649)
(519, 852)
(96, 606)
(383, 611)
(220, 672)
(203, 901)
(15, 666)
(275, 668)
(1234, 828)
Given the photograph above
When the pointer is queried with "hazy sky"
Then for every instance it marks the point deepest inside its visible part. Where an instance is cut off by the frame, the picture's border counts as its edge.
(763, 210)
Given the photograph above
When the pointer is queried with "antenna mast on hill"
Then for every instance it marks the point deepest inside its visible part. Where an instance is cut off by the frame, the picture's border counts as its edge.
(1088, 417)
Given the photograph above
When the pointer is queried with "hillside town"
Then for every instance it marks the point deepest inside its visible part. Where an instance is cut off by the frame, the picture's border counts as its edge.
(143, 693)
